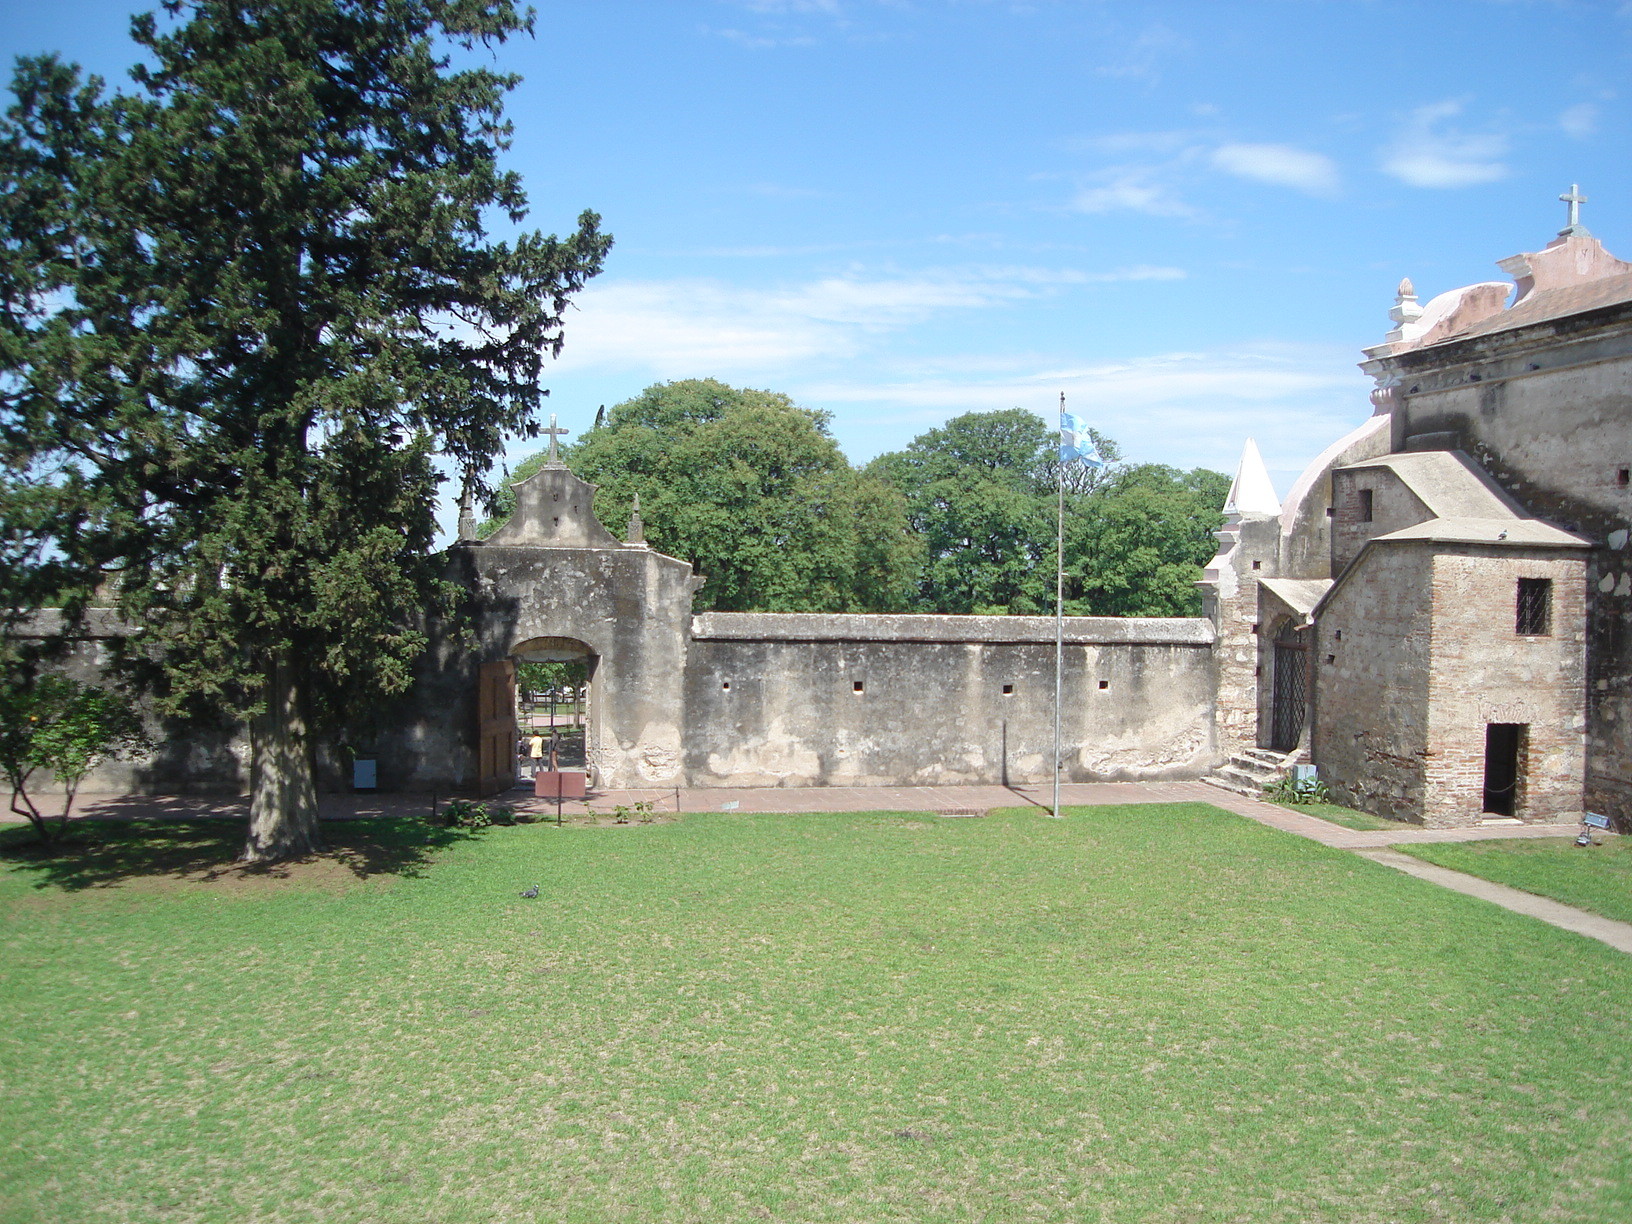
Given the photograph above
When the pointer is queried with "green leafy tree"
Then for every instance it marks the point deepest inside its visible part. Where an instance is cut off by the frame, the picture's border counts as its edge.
(66, 728)
(242, 310)
(753, 491)
(1137, 543)
(981, 490)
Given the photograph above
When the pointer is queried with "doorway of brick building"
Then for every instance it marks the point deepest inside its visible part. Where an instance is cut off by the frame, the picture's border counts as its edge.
(1290, 691)
(1504, 767)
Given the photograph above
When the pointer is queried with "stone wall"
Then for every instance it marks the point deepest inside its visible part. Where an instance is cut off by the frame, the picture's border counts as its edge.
(628, 606)
(1370, 668)
(188, 758)
(1393, 507)
(795, 700)
(1484, 672)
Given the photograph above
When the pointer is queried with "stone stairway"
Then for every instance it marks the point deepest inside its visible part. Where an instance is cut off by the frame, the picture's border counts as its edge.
(1247, 772)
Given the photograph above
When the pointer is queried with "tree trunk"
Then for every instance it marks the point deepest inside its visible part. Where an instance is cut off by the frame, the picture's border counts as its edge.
(283, 783)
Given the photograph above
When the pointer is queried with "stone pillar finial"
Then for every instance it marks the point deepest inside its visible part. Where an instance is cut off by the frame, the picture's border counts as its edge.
(467, 515)
(1405, 310)
(637, 528)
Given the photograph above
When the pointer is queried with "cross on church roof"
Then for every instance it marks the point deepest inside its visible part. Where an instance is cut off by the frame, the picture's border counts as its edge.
(1574, 199)
(555, 455)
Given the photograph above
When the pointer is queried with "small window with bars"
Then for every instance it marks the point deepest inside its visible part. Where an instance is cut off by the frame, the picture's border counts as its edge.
(1535, 611)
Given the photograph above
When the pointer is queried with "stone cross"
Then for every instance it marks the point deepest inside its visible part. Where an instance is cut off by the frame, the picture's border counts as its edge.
(555, 455)
(1574, 199)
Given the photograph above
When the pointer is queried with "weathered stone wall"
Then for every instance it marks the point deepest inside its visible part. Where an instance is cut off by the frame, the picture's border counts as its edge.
(1232, 604)
(188, 758)
(1370, 668)
(1484, 672)
(1393, 507)
(1547, 411)
(773, 701)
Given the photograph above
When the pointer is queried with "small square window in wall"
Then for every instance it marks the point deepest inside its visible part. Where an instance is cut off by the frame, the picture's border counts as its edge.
(1104, 684)
(1257, 565)
(856, 686)
(1365, 505)
(1008, 690)
(725, 686)
(1534, 616)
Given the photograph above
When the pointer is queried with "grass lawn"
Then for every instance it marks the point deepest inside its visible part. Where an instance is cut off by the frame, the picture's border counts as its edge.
(1162, 1015)
(1597, 879)
(1348, 817)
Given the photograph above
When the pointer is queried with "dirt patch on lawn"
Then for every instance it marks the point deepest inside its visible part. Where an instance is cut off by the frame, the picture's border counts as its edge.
(163, 856)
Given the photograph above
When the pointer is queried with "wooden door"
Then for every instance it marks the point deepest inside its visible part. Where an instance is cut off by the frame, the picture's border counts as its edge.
(496, 727)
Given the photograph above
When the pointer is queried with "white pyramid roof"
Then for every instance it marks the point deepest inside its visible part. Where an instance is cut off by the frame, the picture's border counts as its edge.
(1252, 492)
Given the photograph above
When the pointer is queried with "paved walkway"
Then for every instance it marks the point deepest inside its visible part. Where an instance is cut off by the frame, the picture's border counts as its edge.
(969, 801)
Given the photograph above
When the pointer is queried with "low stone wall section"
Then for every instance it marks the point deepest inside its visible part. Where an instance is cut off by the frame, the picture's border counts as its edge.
(849, 700)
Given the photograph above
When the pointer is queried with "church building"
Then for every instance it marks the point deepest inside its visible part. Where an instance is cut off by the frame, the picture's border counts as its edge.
(1437, 618)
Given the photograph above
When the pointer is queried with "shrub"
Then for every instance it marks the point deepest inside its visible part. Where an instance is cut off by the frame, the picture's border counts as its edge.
(1292, 790)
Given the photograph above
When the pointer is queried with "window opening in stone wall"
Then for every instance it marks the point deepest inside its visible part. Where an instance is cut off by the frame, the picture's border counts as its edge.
(725, 686)
(856, 686)
(1504, 766)
(1104, 684)
(1365, 505)
(1535, 607)
(1623, 477)
(1008, 690)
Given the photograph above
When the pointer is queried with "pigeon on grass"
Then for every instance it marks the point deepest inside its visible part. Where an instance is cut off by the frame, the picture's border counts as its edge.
(531, 892)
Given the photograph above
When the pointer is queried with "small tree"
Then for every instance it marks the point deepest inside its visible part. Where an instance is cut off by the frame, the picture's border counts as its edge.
(66, 728)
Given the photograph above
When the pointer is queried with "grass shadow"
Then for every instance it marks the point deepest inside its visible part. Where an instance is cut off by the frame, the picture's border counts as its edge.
(109, 853)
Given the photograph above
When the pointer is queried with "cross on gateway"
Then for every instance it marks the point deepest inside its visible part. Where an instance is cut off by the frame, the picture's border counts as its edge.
(555, 455)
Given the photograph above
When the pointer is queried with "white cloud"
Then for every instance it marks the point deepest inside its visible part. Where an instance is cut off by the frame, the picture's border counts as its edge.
(1128, 189)
(1428, 153)
(1579, 121)
(1186, 409)
(1139, 59)
(1279, 164)
(677, 327)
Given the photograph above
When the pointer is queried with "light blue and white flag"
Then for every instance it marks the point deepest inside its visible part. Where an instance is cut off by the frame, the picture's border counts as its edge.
(1076, 443)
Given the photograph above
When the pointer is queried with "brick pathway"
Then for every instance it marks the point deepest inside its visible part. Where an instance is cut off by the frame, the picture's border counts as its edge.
(965, 800)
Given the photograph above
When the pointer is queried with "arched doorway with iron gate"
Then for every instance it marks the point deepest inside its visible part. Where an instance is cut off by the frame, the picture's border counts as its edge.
(1289, 703)
(554, 676)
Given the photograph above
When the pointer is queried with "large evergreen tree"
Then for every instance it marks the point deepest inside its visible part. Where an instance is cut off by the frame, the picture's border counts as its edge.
(243, 309)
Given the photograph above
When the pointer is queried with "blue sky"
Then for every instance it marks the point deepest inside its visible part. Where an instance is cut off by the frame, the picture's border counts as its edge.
(1190, 217)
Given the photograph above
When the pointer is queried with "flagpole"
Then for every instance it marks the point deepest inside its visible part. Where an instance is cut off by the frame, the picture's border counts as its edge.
(1059, 611)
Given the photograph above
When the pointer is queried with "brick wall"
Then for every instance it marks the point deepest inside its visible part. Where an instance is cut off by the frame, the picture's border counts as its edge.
(1484, 672)
(1370, 671)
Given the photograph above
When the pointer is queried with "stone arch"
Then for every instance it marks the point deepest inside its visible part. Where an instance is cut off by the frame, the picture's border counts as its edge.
(560, 649)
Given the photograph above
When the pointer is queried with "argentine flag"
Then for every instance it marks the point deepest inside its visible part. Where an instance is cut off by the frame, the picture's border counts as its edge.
(1076, 443)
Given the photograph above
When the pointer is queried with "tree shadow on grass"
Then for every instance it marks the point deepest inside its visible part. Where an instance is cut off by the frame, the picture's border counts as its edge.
(110, 853)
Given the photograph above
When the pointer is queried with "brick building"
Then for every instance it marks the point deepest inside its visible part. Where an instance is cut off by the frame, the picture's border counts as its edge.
(1437, 617)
